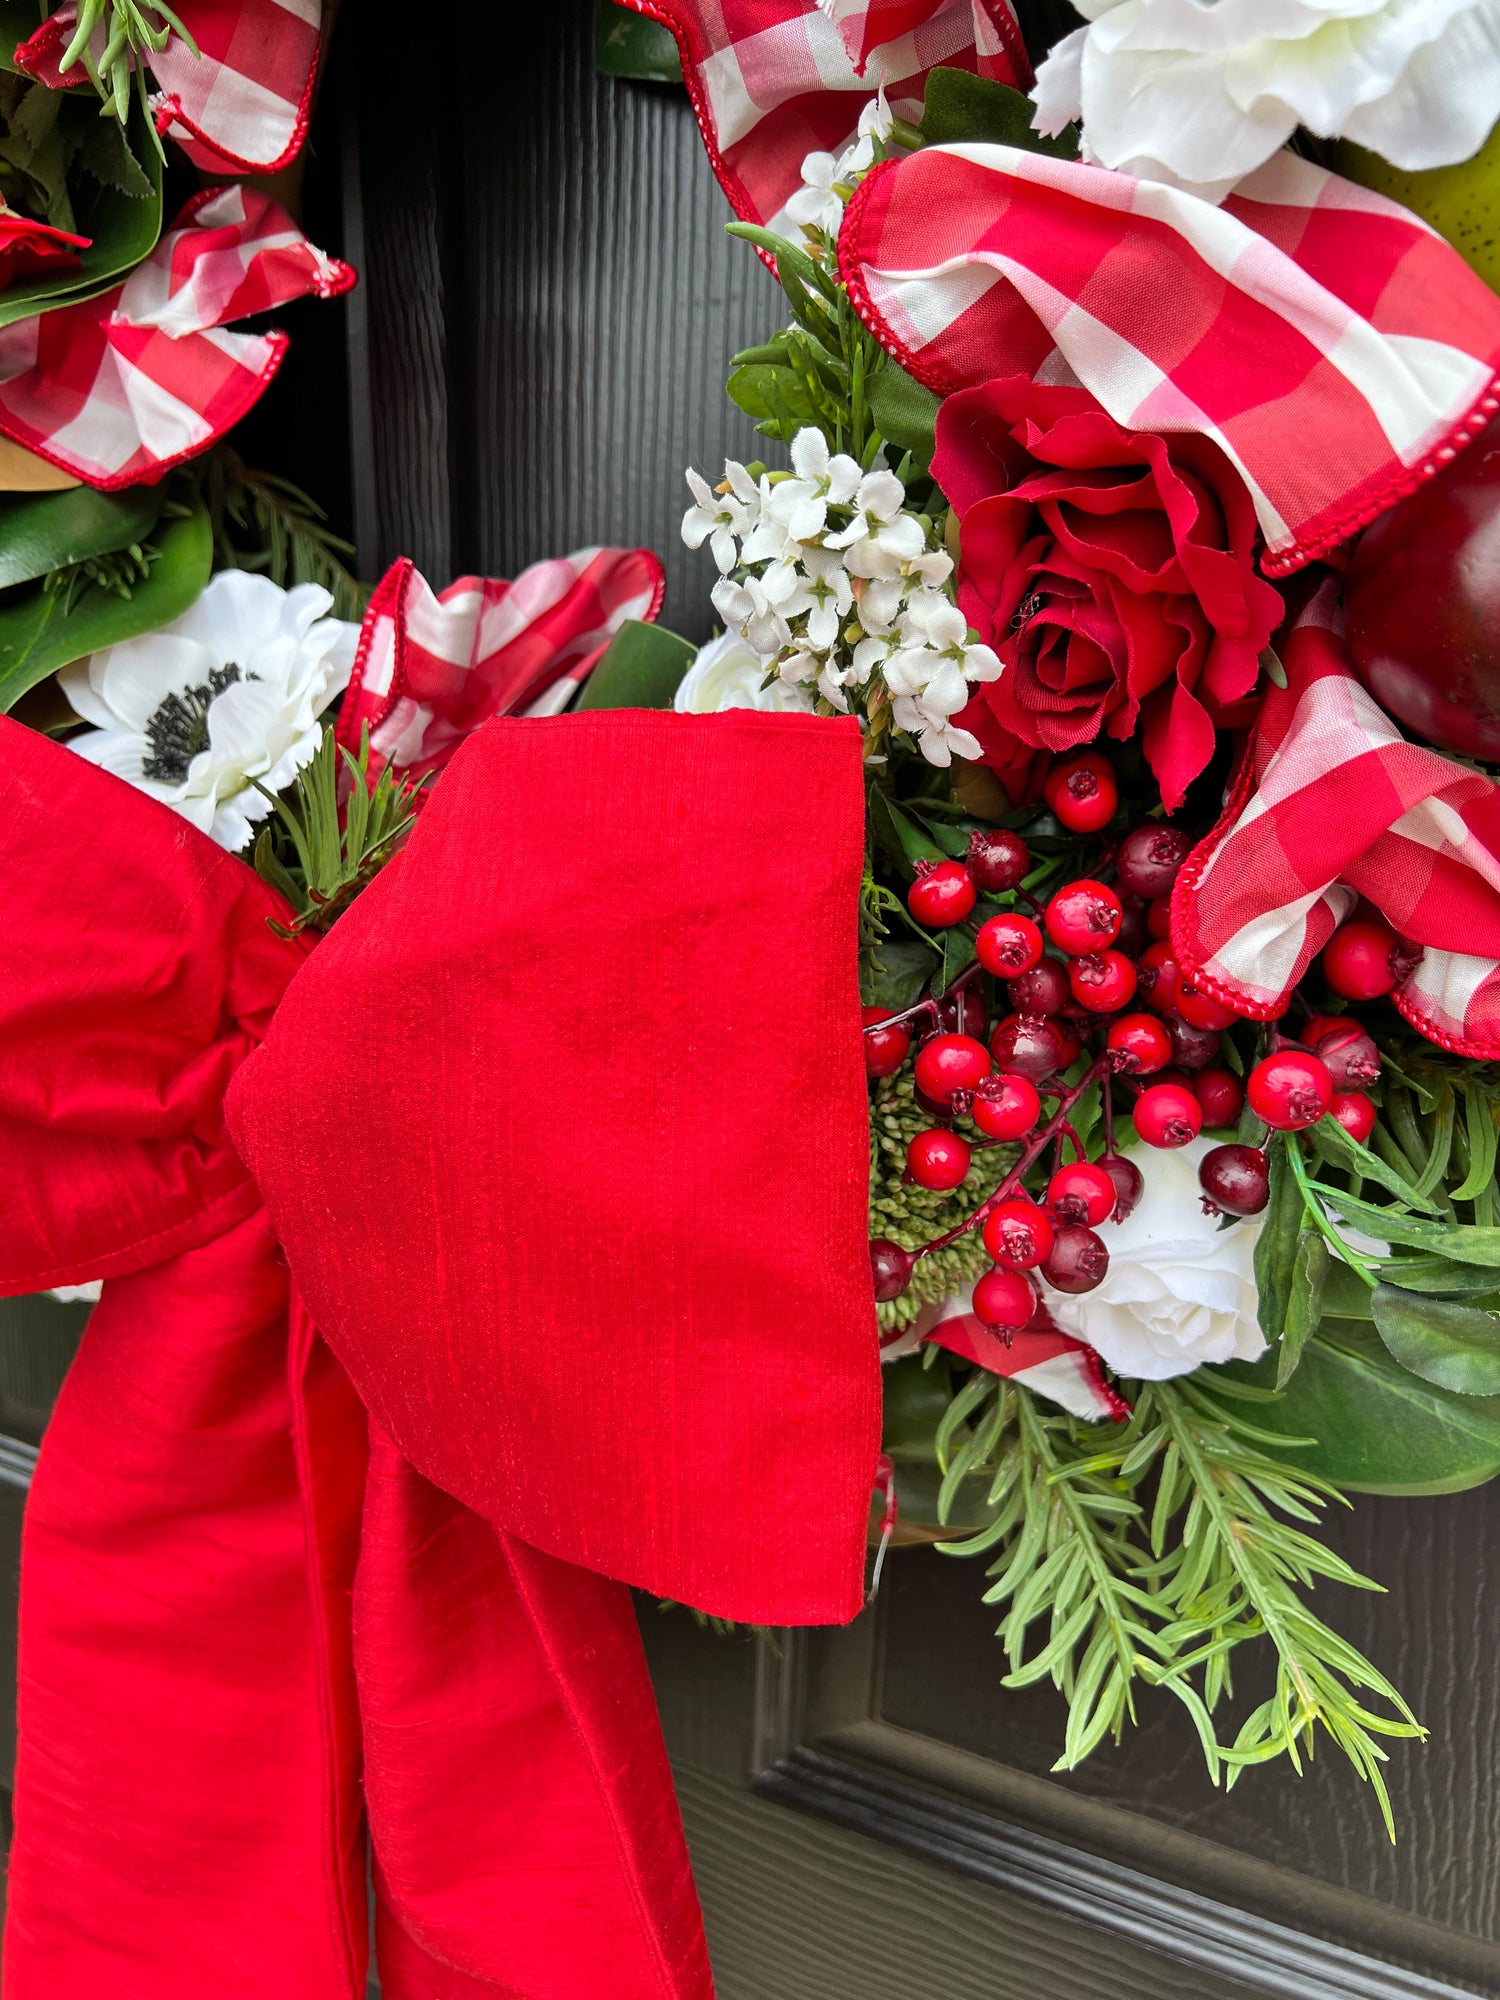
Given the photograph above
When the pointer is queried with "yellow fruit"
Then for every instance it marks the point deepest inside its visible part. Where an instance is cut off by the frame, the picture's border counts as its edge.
(1461, 202)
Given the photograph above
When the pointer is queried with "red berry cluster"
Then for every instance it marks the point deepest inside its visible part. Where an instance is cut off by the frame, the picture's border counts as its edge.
(1096, 964)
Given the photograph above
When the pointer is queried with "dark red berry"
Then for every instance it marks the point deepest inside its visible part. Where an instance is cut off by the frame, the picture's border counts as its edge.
(1357, 960)
(1349, 1055)
(1129, 1183)
(1084, 917)
(1355, 1112)
(1042, 990)
(948, 1063)
(1149, 858)
(1068, 1044)
(1081, 1193)
(1018, 1234)
(1201, 1010)
(1289, 1090)
(942, 894)
(1193, 1048)
(1320, 1025)
(1167, 1115)
(1006, 1107)
(1221, 1094)
(1008, 945)
(1083, 792)
(1158, 975)
(1103, 982)
(1134, 935)
(1142, 1041)
(998, 860)
(962, 1013)
(891, 1268)
(885, 1048)
(938, 1159)
(1027, 1046)
(1235, 1180)
(1159, 917)
(1004, 1301)
(1079, 1259)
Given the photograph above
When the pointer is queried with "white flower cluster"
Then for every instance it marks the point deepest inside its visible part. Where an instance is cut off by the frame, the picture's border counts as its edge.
(829, 580)
(818, 203)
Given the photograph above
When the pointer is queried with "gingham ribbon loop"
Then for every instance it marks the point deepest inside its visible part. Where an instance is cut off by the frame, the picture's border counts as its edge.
(1330, 343)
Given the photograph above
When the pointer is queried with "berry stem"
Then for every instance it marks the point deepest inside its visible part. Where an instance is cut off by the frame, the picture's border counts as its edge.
(930, 1005)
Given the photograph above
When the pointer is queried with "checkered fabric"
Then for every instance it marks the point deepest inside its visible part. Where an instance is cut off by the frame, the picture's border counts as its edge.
(1332, 804)
(432, 667)
(241, 105)
(774, 80)
(1047, 1361)
(124, 386)
(1335, 347)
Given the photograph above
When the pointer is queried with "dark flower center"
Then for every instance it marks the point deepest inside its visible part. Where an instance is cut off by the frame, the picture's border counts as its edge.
(179, 728)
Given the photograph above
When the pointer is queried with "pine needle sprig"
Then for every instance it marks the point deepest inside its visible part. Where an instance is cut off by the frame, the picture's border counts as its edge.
(265, 524)
(330, 852)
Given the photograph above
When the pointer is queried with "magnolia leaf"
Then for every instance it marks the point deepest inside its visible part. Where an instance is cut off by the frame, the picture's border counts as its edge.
(45, 531)
(635, 47)
(960, 106)
(892, 974)
(905, 413)
(642, 667)
(1457, 1346)
(1304, 1301)
(1276, 1246)
(1464, 1242)
(37, 636)
(1378, 1428)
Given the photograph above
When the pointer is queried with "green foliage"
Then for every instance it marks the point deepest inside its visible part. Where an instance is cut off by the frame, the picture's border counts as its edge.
(1445, 1341)
(325, 856)
(961, 107)
(135, 30)
(905, 412)
(266, 524)
(641, 668)
(40, 532)
(912, 1216)
(635, 47)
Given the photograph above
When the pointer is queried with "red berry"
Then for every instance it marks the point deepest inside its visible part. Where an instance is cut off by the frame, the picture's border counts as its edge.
(1103, 982)
(1201, 1010)
(1042, 990)
(1142, 1040)
(1004, 1301)
(1084, 917)
(1355, 1112)
(1193, 1048)
(1320, 1025)
(1129, 1183)
(1290, 1090)
(1079, 1259)
(1083, 792)
(1149, 858)
(1018, 1234)
(963, 1014)
(1006, 1107)
(1028, 1047)
(1348, 1054)
(1134, 935)
(937, 1159)
(1158, 975)
(1357, 960)
(1081, 1193)
(1168, 1115)
(1008, 945)
(1159, 917)
(942, 894)
(1235, 1180)
(885, 1048)
(891, 1268)
(1221, 1094)
(998, 860)
(947, 1063)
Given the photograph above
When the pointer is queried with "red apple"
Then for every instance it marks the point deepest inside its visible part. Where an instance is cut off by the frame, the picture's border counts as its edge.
(1422, 604)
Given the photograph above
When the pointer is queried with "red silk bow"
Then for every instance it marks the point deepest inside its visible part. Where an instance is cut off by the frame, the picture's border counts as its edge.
(533, 1125)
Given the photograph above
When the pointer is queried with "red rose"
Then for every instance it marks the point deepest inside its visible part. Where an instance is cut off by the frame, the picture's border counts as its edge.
(1110, 570)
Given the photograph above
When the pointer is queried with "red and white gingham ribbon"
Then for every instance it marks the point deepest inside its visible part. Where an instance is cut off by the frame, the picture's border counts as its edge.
(431, 667)
(1333, 345)
(241, 105)
(1048, 1361)
(1332, 803)
(126, 385)
(774, 80)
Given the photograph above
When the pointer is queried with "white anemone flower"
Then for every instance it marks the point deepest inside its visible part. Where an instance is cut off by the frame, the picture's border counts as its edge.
(227, 694)
(720, 518)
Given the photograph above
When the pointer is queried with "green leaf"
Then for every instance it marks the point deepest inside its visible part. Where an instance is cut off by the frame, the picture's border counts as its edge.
(958, 954)
(37, 636)
(46, 531)
(1276, 1246)
(19, 20)
(1340, 1149)
(771, 394)
(1462, 1241)
(1479, 1125)
(1435, 1274)
(641, 668)
(1454, 1345)
(1379, 1428)
(892, 974)
(916, 842)
(905, 413)
(1304, 1301)
(960, 106)
(634, 46)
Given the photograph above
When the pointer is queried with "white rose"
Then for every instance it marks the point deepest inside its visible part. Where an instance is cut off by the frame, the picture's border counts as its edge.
(727, 674)
(1199, 96)
(1179, 1290)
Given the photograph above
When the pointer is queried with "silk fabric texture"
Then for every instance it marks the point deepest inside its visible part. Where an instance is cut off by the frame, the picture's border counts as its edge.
(547, 1275)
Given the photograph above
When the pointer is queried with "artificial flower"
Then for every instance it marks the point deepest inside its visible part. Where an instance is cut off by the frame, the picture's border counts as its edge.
(726, 674)
(719, 517)
(826, 178)
(1199, 96)
(1112, 572)
(1179, 1290)
(226, 696)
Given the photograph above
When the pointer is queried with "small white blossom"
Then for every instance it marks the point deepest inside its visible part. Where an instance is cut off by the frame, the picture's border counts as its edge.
(822, 480)
(817, 204)
(746, 609)
(718, 519)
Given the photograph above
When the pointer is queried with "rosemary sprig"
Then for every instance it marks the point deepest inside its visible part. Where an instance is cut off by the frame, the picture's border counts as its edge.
(266, 524)
(329, 855)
